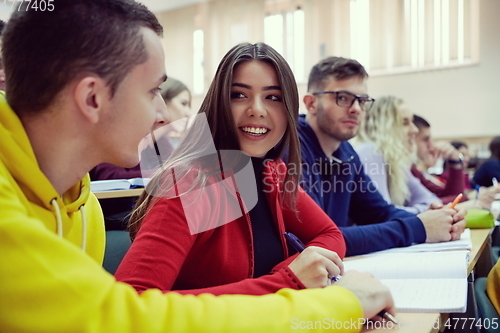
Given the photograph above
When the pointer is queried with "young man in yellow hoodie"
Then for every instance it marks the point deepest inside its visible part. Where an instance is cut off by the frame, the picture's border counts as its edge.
(82, 89)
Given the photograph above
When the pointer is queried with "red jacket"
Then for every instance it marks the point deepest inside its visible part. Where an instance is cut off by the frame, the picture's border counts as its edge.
(165, 255)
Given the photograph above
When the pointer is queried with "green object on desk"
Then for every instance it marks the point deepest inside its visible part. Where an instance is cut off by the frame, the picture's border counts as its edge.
(479, 219)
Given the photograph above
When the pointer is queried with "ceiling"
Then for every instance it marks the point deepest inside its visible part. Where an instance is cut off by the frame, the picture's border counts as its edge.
(164, 5)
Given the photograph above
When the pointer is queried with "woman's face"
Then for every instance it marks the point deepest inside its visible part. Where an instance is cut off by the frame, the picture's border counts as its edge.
(178, 107)
(409, 129)
(257, 107)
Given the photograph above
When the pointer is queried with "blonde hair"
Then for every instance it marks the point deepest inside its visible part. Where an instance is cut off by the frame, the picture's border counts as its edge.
(383, 126)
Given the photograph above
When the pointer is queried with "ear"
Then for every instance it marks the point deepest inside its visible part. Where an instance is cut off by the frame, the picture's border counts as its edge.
(90, 95)
(310, 103)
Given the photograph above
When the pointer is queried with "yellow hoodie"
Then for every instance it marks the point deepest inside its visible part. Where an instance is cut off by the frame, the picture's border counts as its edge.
(51, 279)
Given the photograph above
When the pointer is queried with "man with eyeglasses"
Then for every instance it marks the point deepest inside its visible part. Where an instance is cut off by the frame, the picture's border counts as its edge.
(332, 173)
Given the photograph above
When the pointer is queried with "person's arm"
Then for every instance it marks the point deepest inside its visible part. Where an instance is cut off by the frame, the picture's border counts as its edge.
(50, 285)
(165, 250)
(449, 191)
(420, 197)
(315, 229)
(313, 226)
(58, 288)
(454, 185)
(378, 225)
(168, 229)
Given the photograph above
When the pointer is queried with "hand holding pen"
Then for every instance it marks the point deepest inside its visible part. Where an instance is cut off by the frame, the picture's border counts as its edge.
(459, 222)
(300, 247)
(456, 201)
(312, 263)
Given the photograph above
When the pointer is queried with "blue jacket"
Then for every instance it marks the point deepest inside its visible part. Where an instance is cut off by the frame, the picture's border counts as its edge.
(343, 190)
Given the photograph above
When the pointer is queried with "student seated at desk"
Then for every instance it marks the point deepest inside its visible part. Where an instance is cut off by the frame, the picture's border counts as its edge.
(490, 169)
(177, 97)
(215, 241)
(337, 102)
(428, 152)
(386, 148)
(94, 69)
(464, 150)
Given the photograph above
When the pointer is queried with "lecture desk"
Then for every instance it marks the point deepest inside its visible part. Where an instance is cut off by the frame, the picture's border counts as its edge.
(119, 193)
(480, 260)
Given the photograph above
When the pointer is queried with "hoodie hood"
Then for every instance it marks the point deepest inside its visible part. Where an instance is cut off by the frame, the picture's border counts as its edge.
(18, 157)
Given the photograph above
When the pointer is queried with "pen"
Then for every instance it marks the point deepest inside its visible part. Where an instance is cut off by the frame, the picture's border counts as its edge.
(387, 316)
(299, 246)
(457, 199)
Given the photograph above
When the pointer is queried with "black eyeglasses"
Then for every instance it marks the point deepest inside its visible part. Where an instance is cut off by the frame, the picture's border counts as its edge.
(346, 99)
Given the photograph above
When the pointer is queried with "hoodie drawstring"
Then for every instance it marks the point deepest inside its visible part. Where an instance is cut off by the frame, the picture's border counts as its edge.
(59, 224)
(84, 227)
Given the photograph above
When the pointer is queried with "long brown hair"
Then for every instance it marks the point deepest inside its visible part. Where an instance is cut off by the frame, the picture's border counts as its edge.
(217, 109)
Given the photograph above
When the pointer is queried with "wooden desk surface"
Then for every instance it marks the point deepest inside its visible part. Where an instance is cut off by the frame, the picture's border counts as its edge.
(119, 193)
(431, 322)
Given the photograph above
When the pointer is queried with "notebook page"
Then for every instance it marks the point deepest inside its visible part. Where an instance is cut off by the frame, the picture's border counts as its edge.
(464, 243)
(428, 295)
(109, 185)
(423, 265)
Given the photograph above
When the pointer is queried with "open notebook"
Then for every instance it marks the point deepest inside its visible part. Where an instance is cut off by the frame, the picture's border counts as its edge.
(117, 184)
(464, 243)
(420, 282)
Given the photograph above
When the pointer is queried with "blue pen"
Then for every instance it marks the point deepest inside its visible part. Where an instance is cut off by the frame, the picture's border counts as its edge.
(299, 246)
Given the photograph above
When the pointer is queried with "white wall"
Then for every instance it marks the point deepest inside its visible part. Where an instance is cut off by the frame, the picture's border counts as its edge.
(458, 102)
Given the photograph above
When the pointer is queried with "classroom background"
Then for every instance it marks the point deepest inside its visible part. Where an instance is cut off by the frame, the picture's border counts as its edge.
(441, 56)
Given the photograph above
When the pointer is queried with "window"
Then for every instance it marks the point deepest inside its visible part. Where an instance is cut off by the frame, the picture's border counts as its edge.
(198, 70)
(285, 33)
(401, 35)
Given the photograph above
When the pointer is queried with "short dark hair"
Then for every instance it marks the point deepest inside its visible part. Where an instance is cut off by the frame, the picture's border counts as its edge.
(420, 122)
(44, 51)
(458, 144)
(495, 147)
(334, 67)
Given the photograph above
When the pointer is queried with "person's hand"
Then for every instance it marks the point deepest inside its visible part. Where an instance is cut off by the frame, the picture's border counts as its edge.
(446, 151)
(372, 294)
(459, 223)
(457, 229)
(438, 224)
(436, 205)
(486, 196)
(315, 266)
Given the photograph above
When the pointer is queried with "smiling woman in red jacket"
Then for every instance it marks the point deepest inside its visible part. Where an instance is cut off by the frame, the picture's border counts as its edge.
(203, 225)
